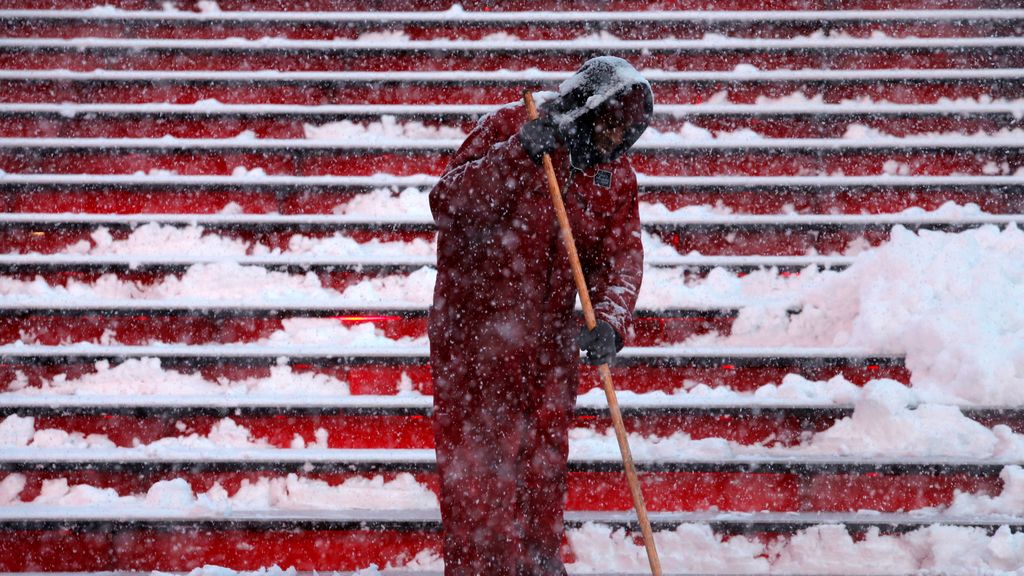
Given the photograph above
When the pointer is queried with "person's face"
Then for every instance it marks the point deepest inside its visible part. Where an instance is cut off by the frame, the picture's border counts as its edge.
(608, 134)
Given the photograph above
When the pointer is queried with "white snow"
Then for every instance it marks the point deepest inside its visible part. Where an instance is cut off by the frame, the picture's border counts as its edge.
(291, 492)
(228, 282)
(604, 41)
(146, 377)
(946, 300)
(389, 128)
(888, 420)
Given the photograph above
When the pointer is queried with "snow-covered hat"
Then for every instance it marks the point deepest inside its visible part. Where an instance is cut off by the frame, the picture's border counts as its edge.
(605, 87)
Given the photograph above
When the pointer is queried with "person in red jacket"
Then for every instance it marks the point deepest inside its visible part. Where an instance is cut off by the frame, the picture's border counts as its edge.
(504, 338)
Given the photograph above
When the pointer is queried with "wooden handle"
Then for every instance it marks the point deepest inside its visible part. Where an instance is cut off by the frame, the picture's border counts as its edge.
(603, 370)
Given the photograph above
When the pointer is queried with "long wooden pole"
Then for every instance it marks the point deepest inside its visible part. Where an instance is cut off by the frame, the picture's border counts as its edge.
(603, 370)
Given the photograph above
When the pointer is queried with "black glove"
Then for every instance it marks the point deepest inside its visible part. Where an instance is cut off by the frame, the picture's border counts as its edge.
(600, 344)
(540, 137)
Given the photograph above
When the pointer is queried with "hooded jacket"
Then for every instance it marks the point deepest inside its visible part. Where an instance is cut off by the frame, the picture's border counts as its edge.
(502, 325)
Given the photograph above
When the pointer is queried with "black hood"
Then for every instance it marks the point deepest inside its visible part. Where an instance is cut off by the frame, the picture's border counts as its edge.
(605, 95)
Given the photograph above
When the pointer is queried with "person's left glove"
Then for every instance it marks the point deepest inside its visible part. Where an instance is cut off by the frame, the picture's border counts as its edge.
(540, 137)
(600, 344)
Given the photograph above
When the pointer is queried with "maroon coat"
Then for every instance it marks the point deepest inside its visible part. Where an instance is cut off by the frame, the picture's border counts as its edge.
(503, 333)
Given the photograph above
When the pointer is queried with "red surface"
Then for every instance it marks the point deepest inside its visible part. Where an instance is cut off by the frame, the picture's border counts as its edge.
(607, 491)
(739, 162)
(128, 548)
(413, 431)
(516, 5)
(373, 379)
(422, 60)
(183, 551)
(140, 329)
(156, 126)
(163, 200)
(555, 30)
(144, 549)
(311, 93)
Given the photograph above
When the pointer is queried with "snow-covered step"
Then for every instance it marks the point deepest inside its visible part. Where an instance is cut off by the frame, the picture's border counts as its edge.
(401, 421)
(339, 309)
(645, 181)
(12, 263)
(414, 353)
(441, 54)
(353, 540)
(29, 517)
(37, 404)
(398, 421)
(438, 47)
(519, 78)
(327, 111)
(307, 222)
(312, 460)
(462, 17)
(209, 193)
(447, 145)
(308, 88)
(971, 155)
(55, 404)
(770, 120)
(233, 321)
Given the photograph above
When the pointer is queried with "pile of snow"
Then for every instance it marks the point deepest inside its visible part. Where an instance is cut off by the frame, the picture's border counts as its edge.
(388, 128)
(888, 420)
(862, 132)
(828, 549)
(690, 132)
(948, 301)
(383, 202)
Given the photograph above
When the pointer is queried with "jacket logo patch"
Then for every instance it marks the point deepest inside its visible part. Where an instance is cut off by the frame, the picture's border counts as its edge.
(603, 178)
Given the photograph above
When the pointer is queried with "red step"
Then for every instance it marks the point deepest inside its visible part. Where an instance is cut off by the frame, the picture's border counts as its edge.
(663, 491)
(150, 328)
(513, 5)
(36, 125)
(388, 379)
(420, 59)
(470, 26)
(258, 198)
(737, 161)
(268, 91)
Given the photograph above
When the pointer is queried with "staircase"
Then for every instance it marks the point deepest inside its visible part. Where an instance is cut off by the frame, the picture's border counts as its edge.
(237, 367)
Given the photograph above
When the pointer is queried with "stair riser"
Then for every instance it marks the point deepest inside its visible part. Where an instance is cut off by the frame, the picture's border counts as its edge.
(297, 162)
(414, 431)
(390, 431)
(733, 241)
(515, 5)
(172, 200)
(719, 59)
(130, 549)
(141, 329)
(314, 93)
(608, 491)
(88, 125)
(387, 379)
(541, 30)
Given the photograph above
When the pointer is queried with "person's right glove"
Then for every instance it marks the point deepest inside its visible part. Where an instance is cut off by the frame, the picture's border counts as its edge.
(540, 137)
(600, 344)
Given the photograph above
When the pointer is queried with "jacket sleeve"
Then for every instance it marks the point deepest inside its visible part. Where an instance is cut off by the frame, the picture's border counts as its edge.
(485, 177)
(618, 267)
